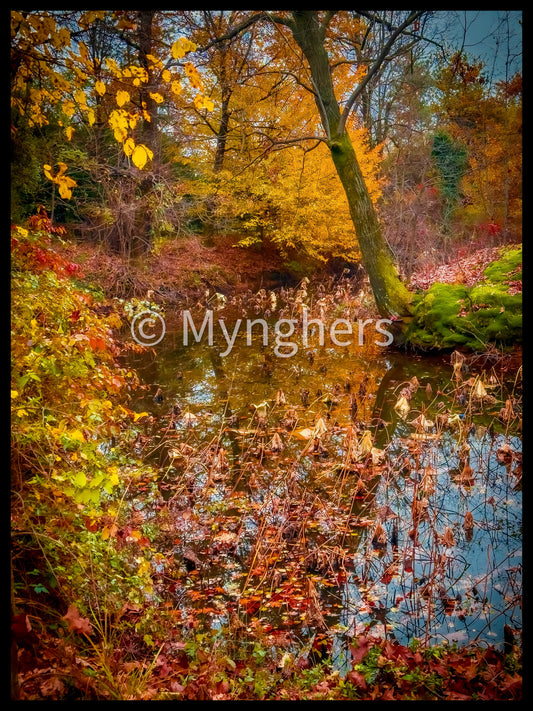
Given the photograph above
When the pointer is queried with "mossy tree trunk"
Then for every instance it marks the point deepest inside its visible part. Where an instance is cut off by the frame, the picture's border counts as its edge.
(391, 295)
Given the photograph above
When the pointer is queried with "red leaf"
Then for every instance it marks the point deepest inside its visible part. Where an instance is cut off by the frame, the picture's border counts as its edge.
(360, 651)
(357, 679)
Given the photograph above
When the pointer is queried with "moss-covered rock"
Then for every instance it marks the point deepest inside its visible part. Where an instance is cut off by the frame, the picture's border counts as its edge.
(453, 315)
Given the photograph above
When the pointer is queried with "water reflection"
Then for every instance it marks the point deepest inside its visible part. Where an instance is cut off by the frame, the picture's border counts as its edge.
(418, 537)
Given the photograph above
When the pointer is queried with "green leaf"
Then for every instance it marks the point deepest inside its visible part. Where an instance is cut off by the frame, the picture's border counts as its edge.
(80, 480)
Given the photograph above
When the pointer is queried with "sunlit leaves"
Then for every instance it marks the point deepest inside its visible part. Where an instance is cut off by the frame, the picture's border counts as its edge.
(203, 102)
(129, 146)
(42, 50)
(176, 88)
(181, 47)
(64, 182)
(118, 122)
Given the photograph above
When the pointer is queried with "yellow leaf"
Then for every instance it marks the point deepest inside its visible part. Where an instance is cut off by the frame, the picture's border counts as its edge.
(129, 146)
(118, 121)
(177, 51)
(144, 567)
(156, 97)
(69, 108)
(166, 75)
(80, 97)
(138, 415)
(14, 394)
(65, 184)
(69, 131)
(91, 118)
(122, 97)
(77, 435)
(140, 155)
(176, 87)
(100, 87)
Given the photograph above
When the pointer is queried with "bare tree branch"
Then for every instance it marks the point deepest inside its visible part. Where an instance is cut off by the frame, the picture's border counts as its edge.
(413, 15)
(250, 20)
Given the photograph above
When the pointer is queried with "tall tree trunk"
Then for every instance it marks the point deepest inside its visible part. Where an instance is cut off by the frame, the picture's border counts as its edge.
(391, 295)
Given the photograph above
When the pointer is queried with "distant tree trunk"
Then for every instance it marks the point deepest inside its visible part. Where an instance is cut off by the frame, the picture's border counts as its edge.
(141, 239)
(391, 295)
(222, 135)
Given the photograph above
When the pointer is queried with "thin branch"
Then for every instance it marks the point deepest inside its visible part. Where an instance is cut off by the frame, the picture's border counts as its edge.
(290, 141)
(230, 34)
(415, 14)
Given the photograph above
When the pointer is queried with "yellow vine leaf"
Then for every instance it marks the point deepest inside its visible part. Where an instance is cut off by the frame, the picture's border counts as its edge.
(63, 181)
(129, 146)
(140, 155)
(122, 97)
(69, 108)
(118, 121)
(180, 48)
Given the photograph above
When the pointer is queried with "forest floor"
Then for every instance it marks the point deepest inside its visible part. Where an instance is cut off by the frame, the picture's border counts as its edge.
(181, 270)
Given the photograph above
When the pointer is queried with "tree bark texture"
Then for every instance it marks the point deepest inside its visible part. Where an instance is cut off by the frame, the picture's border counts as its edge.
(391, 295)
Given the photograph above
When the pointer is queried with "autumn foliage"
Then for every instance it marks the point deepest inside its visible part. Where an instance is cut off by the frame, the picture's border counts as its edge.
(258, 163)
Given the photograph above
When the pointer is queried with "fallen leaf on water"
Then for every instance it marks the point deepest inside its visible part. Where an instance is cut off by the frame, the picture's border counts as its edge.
(479, 391)
(189, 418)
(402, 406)
(320, 427)
(468, 523)
(276, 445)
(448, 538)
(365, 445)
(306, 433)
(377, 455)
(422, 422)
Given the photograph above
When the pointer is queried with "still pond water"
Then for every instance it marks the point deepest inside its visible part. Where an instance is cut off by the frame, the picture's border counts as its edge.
(341, 490)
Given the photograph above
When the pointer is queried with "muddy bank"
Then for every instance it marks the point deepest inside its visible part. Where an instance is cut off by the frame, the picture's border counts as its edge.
(182, 270)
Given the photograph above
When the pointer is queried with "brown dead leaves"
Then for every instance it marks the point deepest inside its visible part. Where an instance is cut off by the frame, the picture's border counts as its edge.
(76, 623)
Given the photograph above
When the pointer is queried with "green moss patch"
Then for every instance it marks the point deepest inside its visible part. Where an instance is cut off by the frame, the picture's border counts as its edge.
(453, 315)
